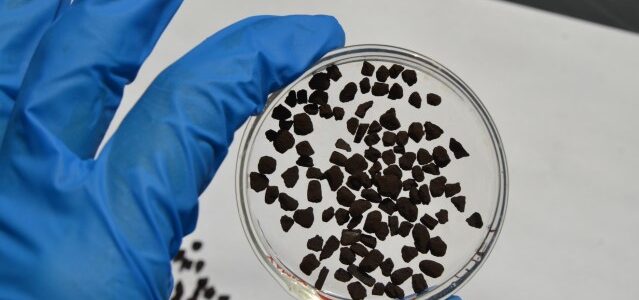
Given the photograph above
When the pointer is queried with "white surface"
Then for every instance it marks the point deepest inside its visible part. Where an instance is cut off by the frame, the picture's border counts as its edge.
(563, 94)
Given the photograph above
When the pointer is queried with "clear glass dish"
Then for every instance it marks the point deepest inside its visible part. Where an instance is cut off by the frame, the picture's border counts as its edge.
(483, 176)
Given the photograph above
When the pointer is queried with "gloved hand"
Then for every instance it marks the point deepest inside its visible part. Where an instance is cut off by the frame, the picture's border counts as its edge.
(75, 227)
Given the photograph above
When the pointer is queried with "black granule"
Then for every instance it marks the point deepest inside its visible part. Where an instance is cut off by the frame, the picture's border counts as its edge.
(371, 195)
(346, 256)
(404, 228)
(286, 222)
(321, 278)
(395, 70)
(359, 134)
(342, 216)
(367, 69)
(437, 247)
(368, 240)
(393, 170)
(442, 216)
(338, 113)
(388, 138)
(402, 138)
(457, 149)
(432, 131)
(199, 266)
(365, 85)
(224, 297)
(382, 73)
(431, 168)
(287, 202)
(406, 209)
(271, 194)
(291, 99)
(196, 245)
(372, 154)
(423, 156)
(409, 76)
(416, 131)
(475, 220)
(356, 163)
(333, 72)
(388, 185)
(387, 267)
(281, 113)
(389, 120)
(361, 275)
(342, 144)
(388, 157)
(378, 289)
(382, 231)
(304, 217)
(311, 109)
(408, 253)
(413, 195)
(283, 141)
(440, 156)
(271, 135)
(304, 148)
(459, 202)
(305, 161)
(393, 291)
(356, 290)
(375, 168)
(431, 268)
(363, 179)
(290, 176)
(355, 220)
(314, 173)
(328, 214)
(285, 124)
(319, 81)
(335, 177)
(348, 92)
(375, 127)
(302, 96)
(379, 89)
(452, 189)
(354, 183)
(337, 159)
(178, 292)
(400, 275)
(415, 100)
(314, 191)
(318, 97)
(406, 160)
(359, 207)
(437, 186)
(186, 264)
(331, 245)
(315, 243)
(359, 249)
(258, 181)
(387, 205)
(371, 261)
(423, 194)
(350, 237)
(421, 237)
(419, 283)
(395, 92)
(179, 255)
(325, 111)
(429, 221)
(418, 173)
(352, 124)
(345, 197)
(371, 139)
(433, 99)
(309, 264)
(409, 184)
(372, 221)
(342, 275)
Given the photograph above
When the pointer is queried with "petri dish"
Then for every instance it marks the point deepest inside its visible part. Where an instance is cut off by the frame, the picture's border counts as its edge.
(482, 176)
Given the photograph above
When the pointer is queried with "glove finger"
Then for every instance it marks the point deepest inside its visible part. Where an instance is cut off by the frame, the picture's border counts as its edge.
(174, 139)
(75, 80)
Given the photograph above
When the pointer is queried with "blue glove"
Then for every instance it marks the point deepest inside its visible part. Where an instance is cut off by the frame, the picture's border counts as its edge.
(73, 226)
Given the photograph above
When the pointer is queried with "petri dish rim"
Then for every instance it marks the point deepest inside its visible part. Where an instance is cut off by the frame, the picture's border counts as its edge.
(296, 286)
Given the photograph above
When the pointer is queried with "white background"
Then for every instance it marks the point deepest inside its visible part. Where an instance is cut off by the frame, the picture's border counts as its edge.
(563, 93)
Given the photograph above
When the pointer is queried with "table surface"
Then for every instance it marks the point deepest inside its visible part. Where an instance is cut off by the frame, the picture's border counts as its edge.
(563, 94)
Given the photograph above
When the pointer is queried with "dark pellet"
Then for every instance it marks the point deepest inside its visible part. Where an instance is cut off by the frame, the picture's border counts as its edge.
(388, 185)
(304, 148)
(321, 278)
(314, 173)
(315, 243)
(437, 247)
(354, 183)
(409, 76)
(343, 275)
(331, 245)
(337, 159)
(356, 163)
(407, 209)
(328, 214)
(311, 109)
(387, 267)
(371, 139)
(442, 216)
(382, 73)
(379, 89)
(290, 176)
(408, 253)
(283, 141)
(335, 177)
(348, 92)
(393, 225)
(304, 217)
(400, 275)
(342, 144)
(371, 195)
(423, 194)
(280, 112)
(352, 124)
(399, 149)
(440, 156)
(431, 168)
(389, 138)
(359, 249)
(416, 131)
(388, 157)
(285, 124)
(382, 231)
(338, 113)
(372, 154)
(372, 221)
(433, 99)
(355, 220)
(271, 194)
(359, 134)
(361, 275)
(423, 156)
(286, 222)
(405, 228)
(459, 202)
(395, 70)
(258, 181)
(365, 85)
(421, 237)
(302, 124)
(375, 127)
(302, 97)
(375, 168)
(318, 97)
(287, 202)
(356, 290)
(393, 291)
(371, 261)
(432, 131)
(452, 189)
(429, 221)
(333, 72)
(413, 195)
(309, 264)
(291, 99)
(305, 161)
(325, 111)
(475, 220)
(431, 268)
(271, 135)
(406, 161)
(457, 149)
(393, 170)
(341, 216)
(437, 186)
(389, 120)
(178, 292)
(378, 289)
(408, 184)
(346, 256)
(368, 240)
(418, 173)
(419, 283)
(319, 81)
(402, 138)
(388, 206)
(367, 69)
(358, 207)
(345, 197)
(395, 92)
(415, 100)
(314, 191)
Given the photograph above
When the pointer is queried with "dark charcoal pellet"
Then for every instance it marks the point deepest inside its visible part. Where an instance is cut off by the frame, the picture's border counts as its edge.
(388, 157)
(328, 214)
(415, 100)
(359, 134)
(345, 197)
(442, 216)
(346, 256)
(325, 111)
(437, 247)
(457, 149)
(286, 222)
(402, 138)
(352, 124)
(281, 113)
(361, 275)
(408, 253)
(337, 159)
(387, 267)
(309, 264)
(400, 275)
(371, 195)
(368, 240)
(372, 154)
(367, 69)
(335, 177)
(371, 261)
(404, 228)
(378, 289)
(395, 70)
(416, 131)
(271, 135)
(393, 170)
(433, 99)
(431, 168)
(375, 127)
(355, 220)
(342, 144)
(452, 189)
(375, 168)
(348, 92)
(382, 73)
(291, 99)
(290, 176)
(321, 278)
(304, 148)
(271, 194)
(475, 220)
(338, 113)
(333, 72)
(314, 173)
(393, 291)
(406, 161)
(382, 231)
(372, 221)
(331, 245)
(423, 156)
(388, 185)
(356, 290)
(379, 89)
(432, 131)
(350, 237)
(359, 249)
(421, 237)
(413, 195)
(440, 156)
(418, 173)
(287, 202)
(395, 92)
(388, 206)
(365, 85)
(419, 283)
(343, 275)
(302, 97)
(399, 149)
(424, 194)
(409, 76)
(356, 163)
(437, 186)
(304, 217)
(431, 268)
(315, 243)
(407, 209)
(371, 139)
(389, 138)
(311, 109)
(285, 124)
(359, 207)
(318, 97)
(342, 216)
(354, 183)
(314, 191)
(258, 181)
(305, 161)
(393, 225)
(429, 221)
(283, 141)
(459, 202)
(319, 81)
(389, 120)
